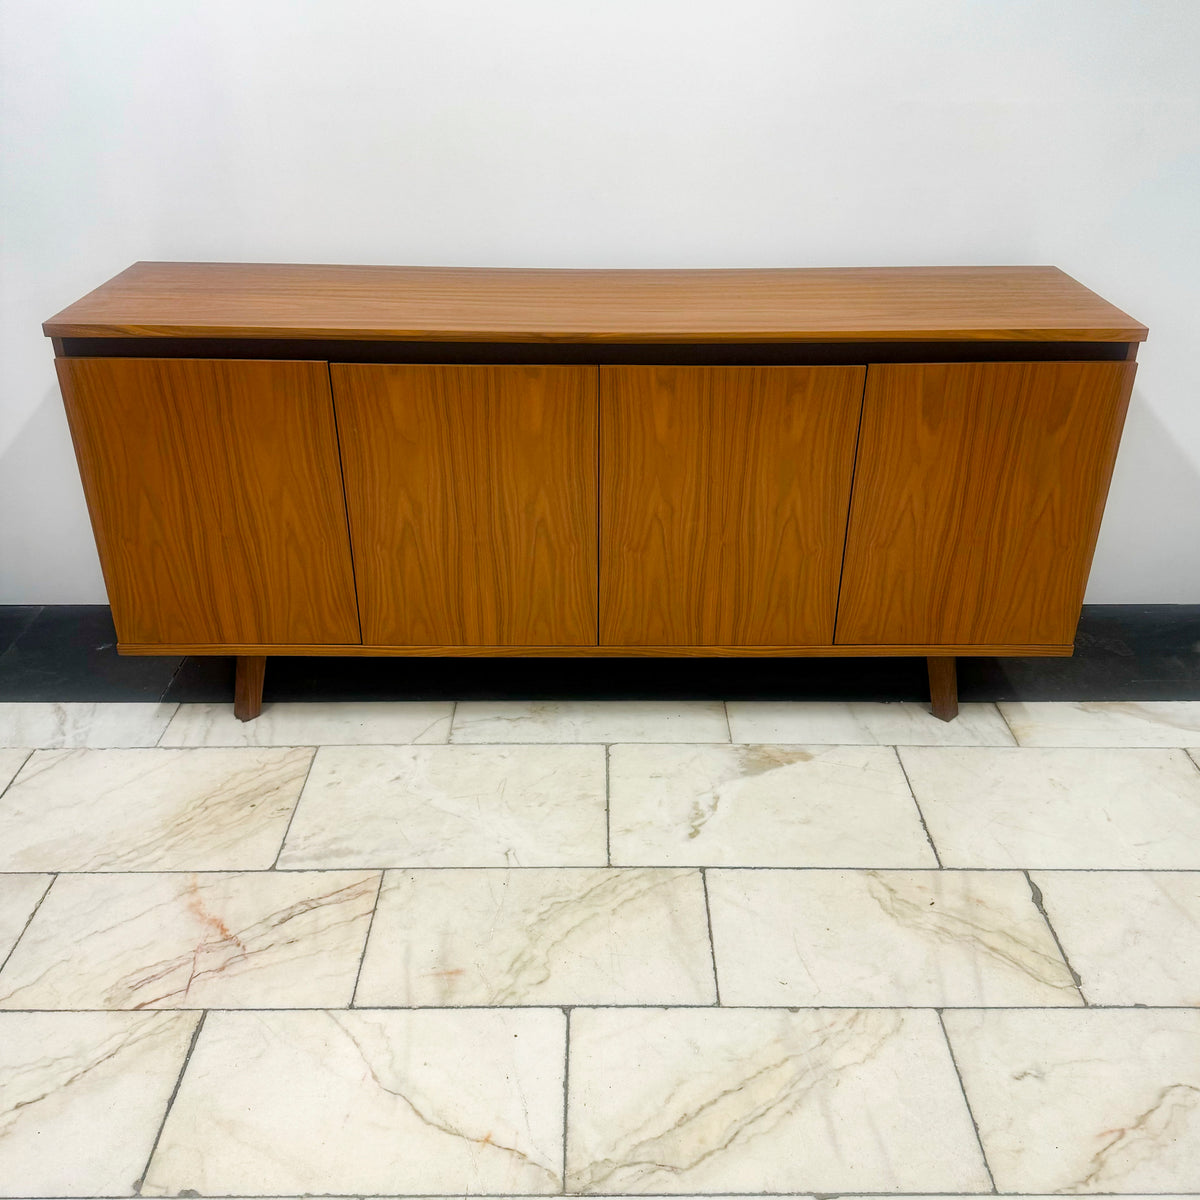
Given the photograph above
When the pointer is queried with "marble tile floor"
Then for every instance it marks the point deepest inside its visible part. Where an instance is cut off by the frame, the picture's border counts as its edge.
(518, 949)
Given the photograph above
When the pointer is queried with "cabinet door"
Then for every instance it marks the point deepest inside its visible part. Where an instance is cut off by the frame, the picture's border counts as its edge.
(977, 500)
(472, 500)
(216, 499)
(723, 503)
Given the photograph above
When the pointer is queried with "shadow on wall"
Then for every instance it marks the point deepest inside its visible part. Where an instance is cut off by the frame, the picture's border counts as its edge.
(1154, 502)
(47, 555)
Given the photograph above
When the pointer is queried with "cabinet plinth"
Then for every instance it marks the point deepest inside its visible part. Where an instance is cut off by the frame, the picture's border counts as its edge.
(418, 461)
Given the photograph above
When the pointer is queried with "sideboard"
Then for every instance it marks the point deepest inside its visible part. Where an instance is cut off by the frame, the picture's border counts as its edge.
(289, 460)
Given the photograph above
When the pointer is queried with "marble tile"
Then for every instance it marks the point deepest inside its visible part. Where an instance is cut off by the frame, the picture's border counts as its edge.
(82, 1096)
(451, 806)
(378, 1103)
(118, 810)
(817, 723)
(496, 721)
(1058, 808)
(266, 939)
(565, 936)
(698, 1100)
(1084, 1100)
(55, 726)
(359, 724)
(19, 895)
(1171, 723)
(11, 761)
(774, 806)
(1134, 937)
(903, 938)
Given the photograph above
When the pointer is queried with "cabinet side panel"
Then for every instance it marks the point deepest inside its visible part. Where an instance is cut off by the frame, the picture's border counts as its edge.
(724, 493)
(977, 500)
(472, 500)
(216, 499)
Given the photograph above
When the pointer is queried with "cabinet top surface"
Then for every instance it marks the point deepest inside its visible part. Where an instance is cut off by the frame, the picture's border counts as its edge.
(278, 300)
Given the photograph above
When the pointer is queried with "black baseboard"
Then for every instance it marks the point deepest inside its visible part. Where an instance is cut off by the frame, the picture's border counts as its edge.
(67, 653)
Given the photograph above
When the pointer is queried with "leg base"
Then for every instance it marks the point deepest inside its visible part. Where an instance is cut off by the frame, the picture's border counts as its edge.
(943, 687)
(248, 686)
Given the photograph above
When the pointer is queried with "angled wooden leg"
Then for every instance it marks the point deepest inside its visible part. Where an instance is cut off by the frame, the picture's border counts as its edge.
(943, 687)
(248, 686)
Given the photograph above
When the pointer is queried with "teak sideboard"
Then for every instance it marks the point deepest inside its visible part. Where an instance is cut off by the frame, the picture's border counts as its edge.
(285, 459)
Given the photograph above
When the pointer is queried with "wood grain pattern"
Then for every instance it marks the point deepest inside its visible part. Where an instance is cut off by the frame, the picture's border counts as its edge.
(977, 499)
(723, 502)
(216, 498)
(455, 304)
(472, 500)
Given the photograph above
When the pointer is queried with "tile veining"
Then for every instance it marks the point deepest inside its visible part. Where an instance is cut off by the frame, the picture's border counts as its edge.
(81, 1098)
(883, 938)
(421, 975)
(377, 723)
(142, 809)
(1086, 1100)
(763, 806)
(539, 936)
(265, 939)
(450, 806)
(709, 1100)
(377, 1103)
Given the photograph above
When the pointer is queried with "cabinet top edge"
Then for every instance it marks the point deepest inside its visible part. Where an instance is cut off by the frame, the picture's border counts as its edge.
(811, 304)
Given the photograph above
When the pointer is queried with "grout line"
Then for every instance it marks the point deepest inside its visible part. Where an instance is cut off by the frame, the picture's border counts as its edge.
(661, 1006)
(187, 1058)
(295, 808)
(680, 743)
(714, 1195)
(962, 1087)
(670, 866)
(28, 922)
(728, 726)
(607, 808)
(24, 764)
(712, 946)
(170, 683)
(366, 940)
(1039, 902)
(596, 741)
(170, 722)
(1012, 733)
(566, 1091)
(675, 1195)
(450, 728)
(917, 805)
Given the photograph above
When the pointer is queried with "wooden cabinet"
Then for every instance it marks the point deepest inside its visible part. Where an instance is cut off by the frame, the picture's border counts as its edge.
(215, 495)
(978, 494)
(792, 462)
(723, 497)
(472, 499)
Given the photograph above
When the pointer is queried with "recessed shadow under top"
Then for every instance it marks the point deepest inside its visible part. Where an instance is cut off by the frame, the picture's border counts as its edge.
(1122, 652)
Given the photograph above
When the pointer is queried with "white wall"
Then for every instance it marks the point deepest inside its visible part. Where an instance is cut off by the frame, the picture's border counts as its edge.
(605, 133)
